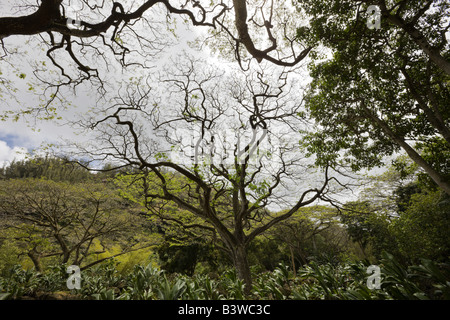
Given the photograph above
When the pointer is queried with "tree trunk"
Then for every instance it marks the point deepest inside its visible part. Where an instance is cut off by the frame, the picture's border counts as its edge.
(34, 256)
(242, 267)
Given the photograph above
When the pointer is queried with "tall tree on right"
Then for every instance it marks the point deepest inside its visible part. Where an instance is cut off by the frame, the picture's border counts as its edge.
(381, 87)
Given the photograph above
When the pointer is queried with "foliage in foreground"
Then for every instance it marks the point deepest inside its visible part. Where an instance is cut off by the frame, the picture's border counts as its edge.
(345, 281)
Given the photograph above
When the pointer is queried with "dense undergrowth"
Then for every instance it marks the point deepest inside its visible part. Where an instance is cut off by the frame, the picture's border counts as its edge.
(427, 280)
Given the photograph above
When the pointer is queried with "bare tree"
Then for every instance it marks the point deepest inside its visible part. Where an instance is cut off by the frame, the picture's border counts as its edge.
(229, 129)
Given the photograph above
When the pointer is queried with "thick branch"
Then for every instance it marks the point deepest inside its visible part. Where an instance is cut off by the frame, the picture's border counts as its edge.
(240, 10)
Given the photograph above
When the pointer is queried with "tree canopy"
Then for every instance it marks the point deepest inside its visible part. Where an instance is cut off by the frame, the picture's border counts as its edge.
(384, 89)
(258, 140)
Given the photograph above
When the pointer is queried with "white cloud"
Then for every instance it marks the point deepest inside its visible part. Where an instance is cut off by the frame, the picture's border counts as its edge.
(8, 154)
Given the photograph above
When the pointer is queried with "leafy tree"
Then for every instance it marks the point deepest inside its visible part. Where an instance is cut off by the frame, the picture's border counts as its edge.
(51, 17)
(380, 90)
(9, 254)
(404, 195)
(58, 219)
(186, 258)
(400, 214)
